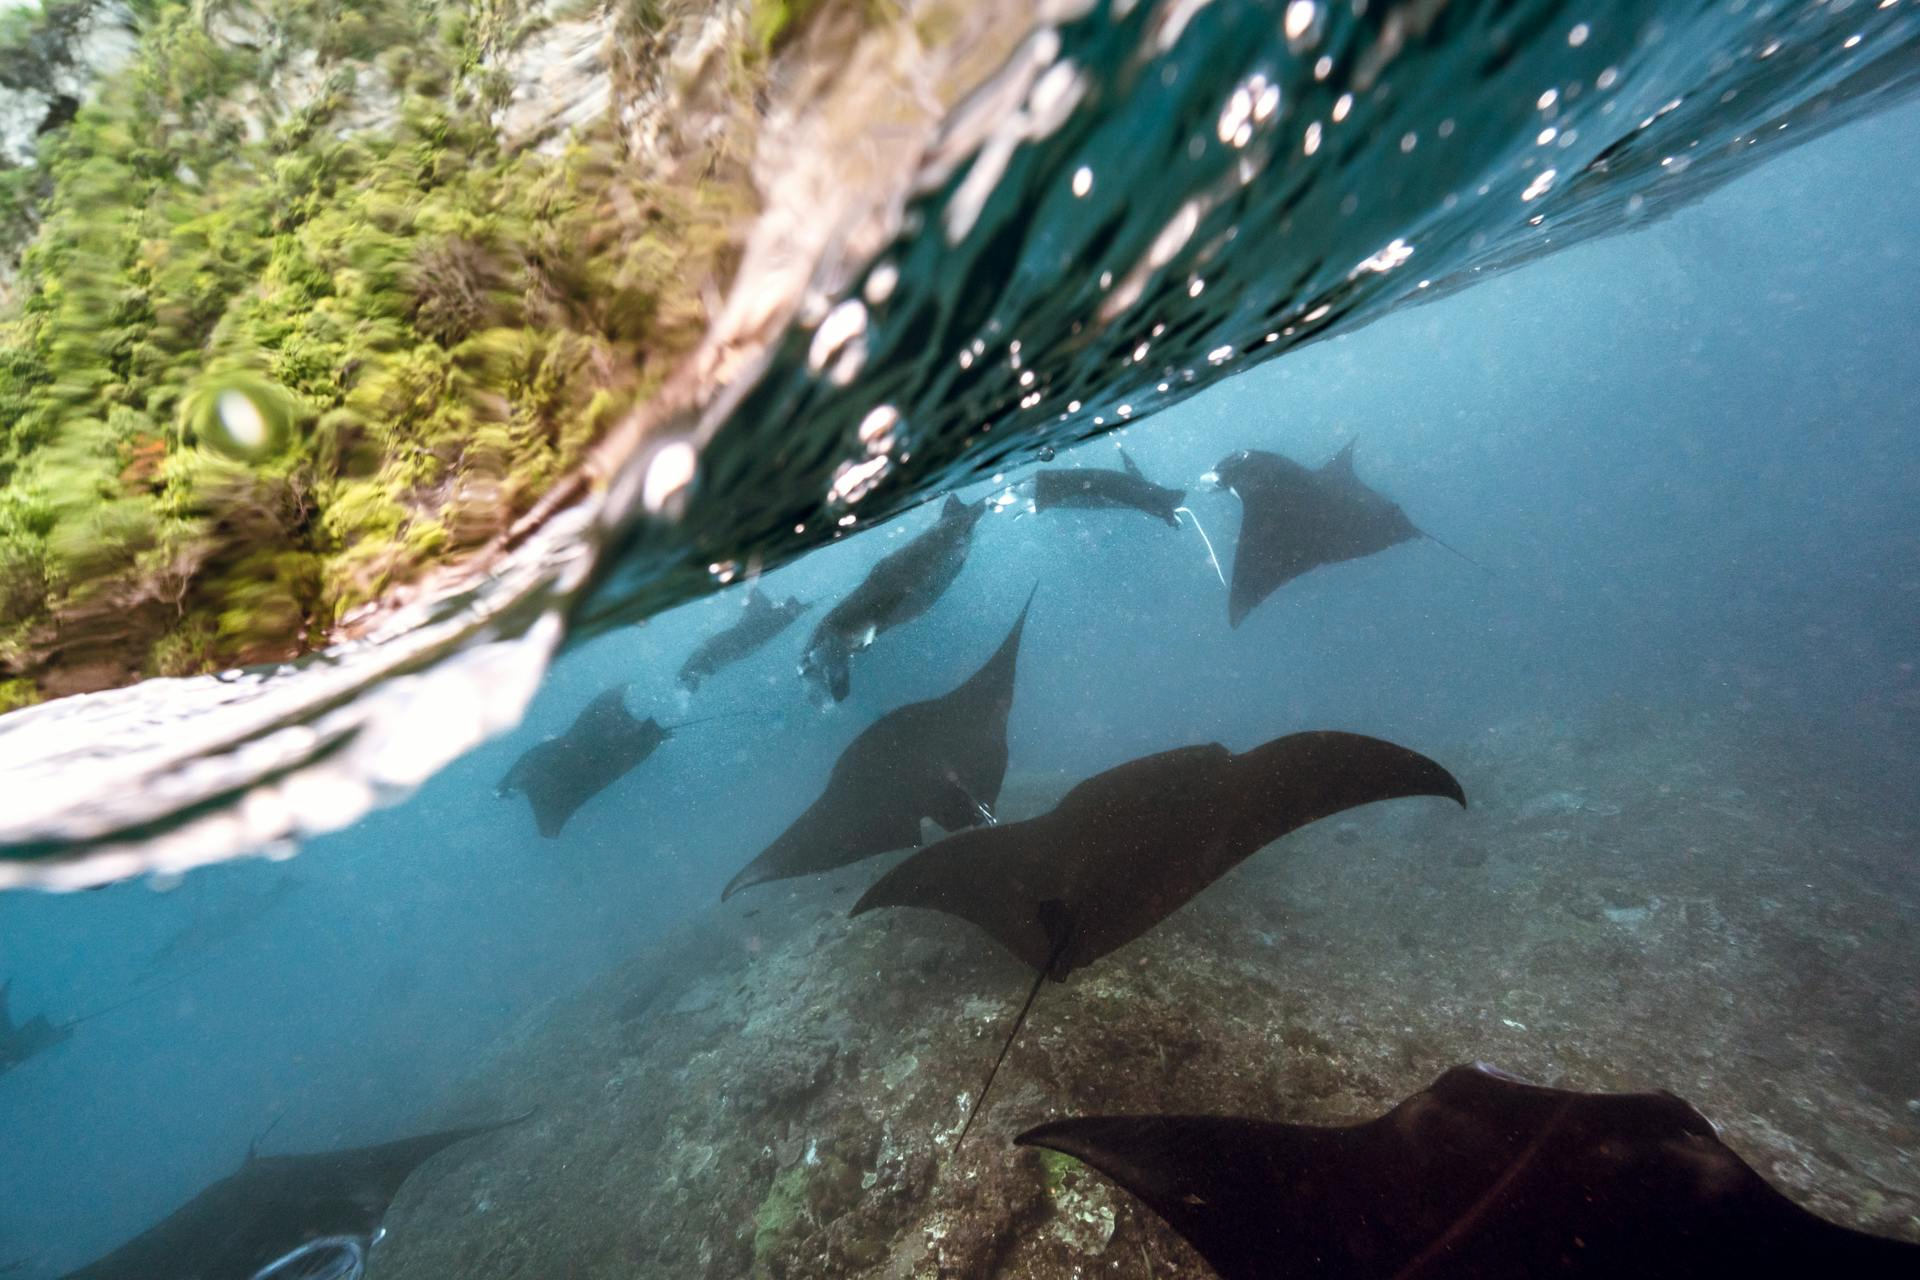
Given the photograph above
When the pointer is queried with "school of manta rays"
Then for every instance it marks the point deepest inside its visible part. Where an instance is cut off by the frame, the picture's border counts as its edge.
(1480, 1174)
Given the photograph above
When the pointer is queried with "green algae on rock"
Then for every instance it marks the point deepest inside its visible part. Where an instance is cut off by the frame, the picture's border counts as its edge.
(315, 296)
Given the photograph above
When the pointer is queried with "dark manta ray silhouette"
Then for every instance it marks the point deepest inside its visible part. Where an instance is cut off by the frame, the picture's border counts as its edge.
(1127, 848)
(1296, 519)
(21, 1041)
(901, 587)
(1479, 1175)
(760, 621)
(274, 1205)
(603, 745)
(1105, 487)
(942, 759)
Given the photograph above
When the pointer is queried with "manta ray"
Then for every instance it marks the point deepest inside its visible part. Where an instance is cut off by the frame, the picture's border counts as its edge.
(901, 587)
(276, 1206)
(1105, 487)
(943, 759)
(1296, 519)
(604, 743)
(760, 621)
(20, 1041)
(1478, 1175)
(1127, 848)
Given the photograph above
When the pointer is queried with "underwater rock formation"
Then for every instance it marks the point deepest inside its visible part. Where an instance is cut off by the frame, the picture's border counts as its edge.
(778, 1095)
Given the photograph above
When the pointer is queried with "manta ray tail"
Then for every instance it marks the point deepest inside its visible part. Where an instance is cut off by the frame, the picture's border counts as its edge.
(135, 998)
(1463, 555)
(1212, 559)
(1053, 919)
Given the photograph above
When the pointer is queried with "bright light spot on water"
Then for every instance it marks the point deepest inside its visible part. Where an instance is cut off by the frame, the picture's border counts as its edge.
(966, 359)
(1220, 355)
(1850, 42)
(1387, 259)
(846, 521)
(1299, 19)
(842, 331)
(242, 419)
(1607, 79)
(1771, 49)
(1323, 68)
(877, 428)
(1194, 289)
(1073, 406)
(1026, 379)
(855, 480)
(1408, 141)
(1539, 186)
(1082, 180)
(1446, 128)
(1342, 106)
(1312, 143)
(1578, 36)
(1267, 103)
(1139, 353)
(1238, 110)
(1547, 135)
(880, 283)
(670, 472)
(1174, 236)
(1125, 411)
(1547, 100)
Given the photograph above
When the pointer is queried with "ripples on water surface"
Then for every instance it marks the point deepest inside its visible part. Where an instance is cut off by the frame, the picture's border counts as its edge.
(1146, 199)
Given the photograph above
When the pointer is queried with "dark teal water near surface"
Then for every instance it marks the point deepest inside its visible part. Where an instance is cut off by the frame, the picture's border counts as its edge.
(1682, 452)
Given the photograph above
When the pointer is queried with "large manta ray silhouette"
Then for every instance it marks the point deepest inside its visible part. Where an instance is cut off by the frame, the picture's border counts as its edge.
(274, 1205)
(1105, 487)
(1127, 848)
(942, 759)
(601, 746)
(760, 621)
(1296, 519)
(1477, 1177)
(901, 587)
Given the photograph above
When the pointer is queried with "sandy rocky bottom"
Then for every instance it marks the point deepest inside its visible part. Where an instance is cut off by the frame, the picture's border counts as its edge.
(1641, 901)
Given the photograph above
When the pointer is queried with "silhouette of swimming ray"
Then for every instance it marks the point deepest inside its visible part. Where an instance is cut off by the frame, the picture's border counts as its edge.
(759, 622)
(1127, 848)
(272, 1205)
(604, 743)
(1296, 519)
(901, 587)
(1478, 1175)
(1126, 489)
(942, 759)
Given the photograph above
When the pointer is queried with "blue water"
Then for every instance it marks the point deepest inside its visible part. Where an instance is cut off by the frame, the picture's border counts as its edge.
(1687, 459)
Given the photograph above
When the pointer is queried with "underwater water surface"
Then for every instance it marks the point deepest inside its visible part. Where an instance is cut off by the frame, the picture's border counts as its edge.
(1657, 611)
